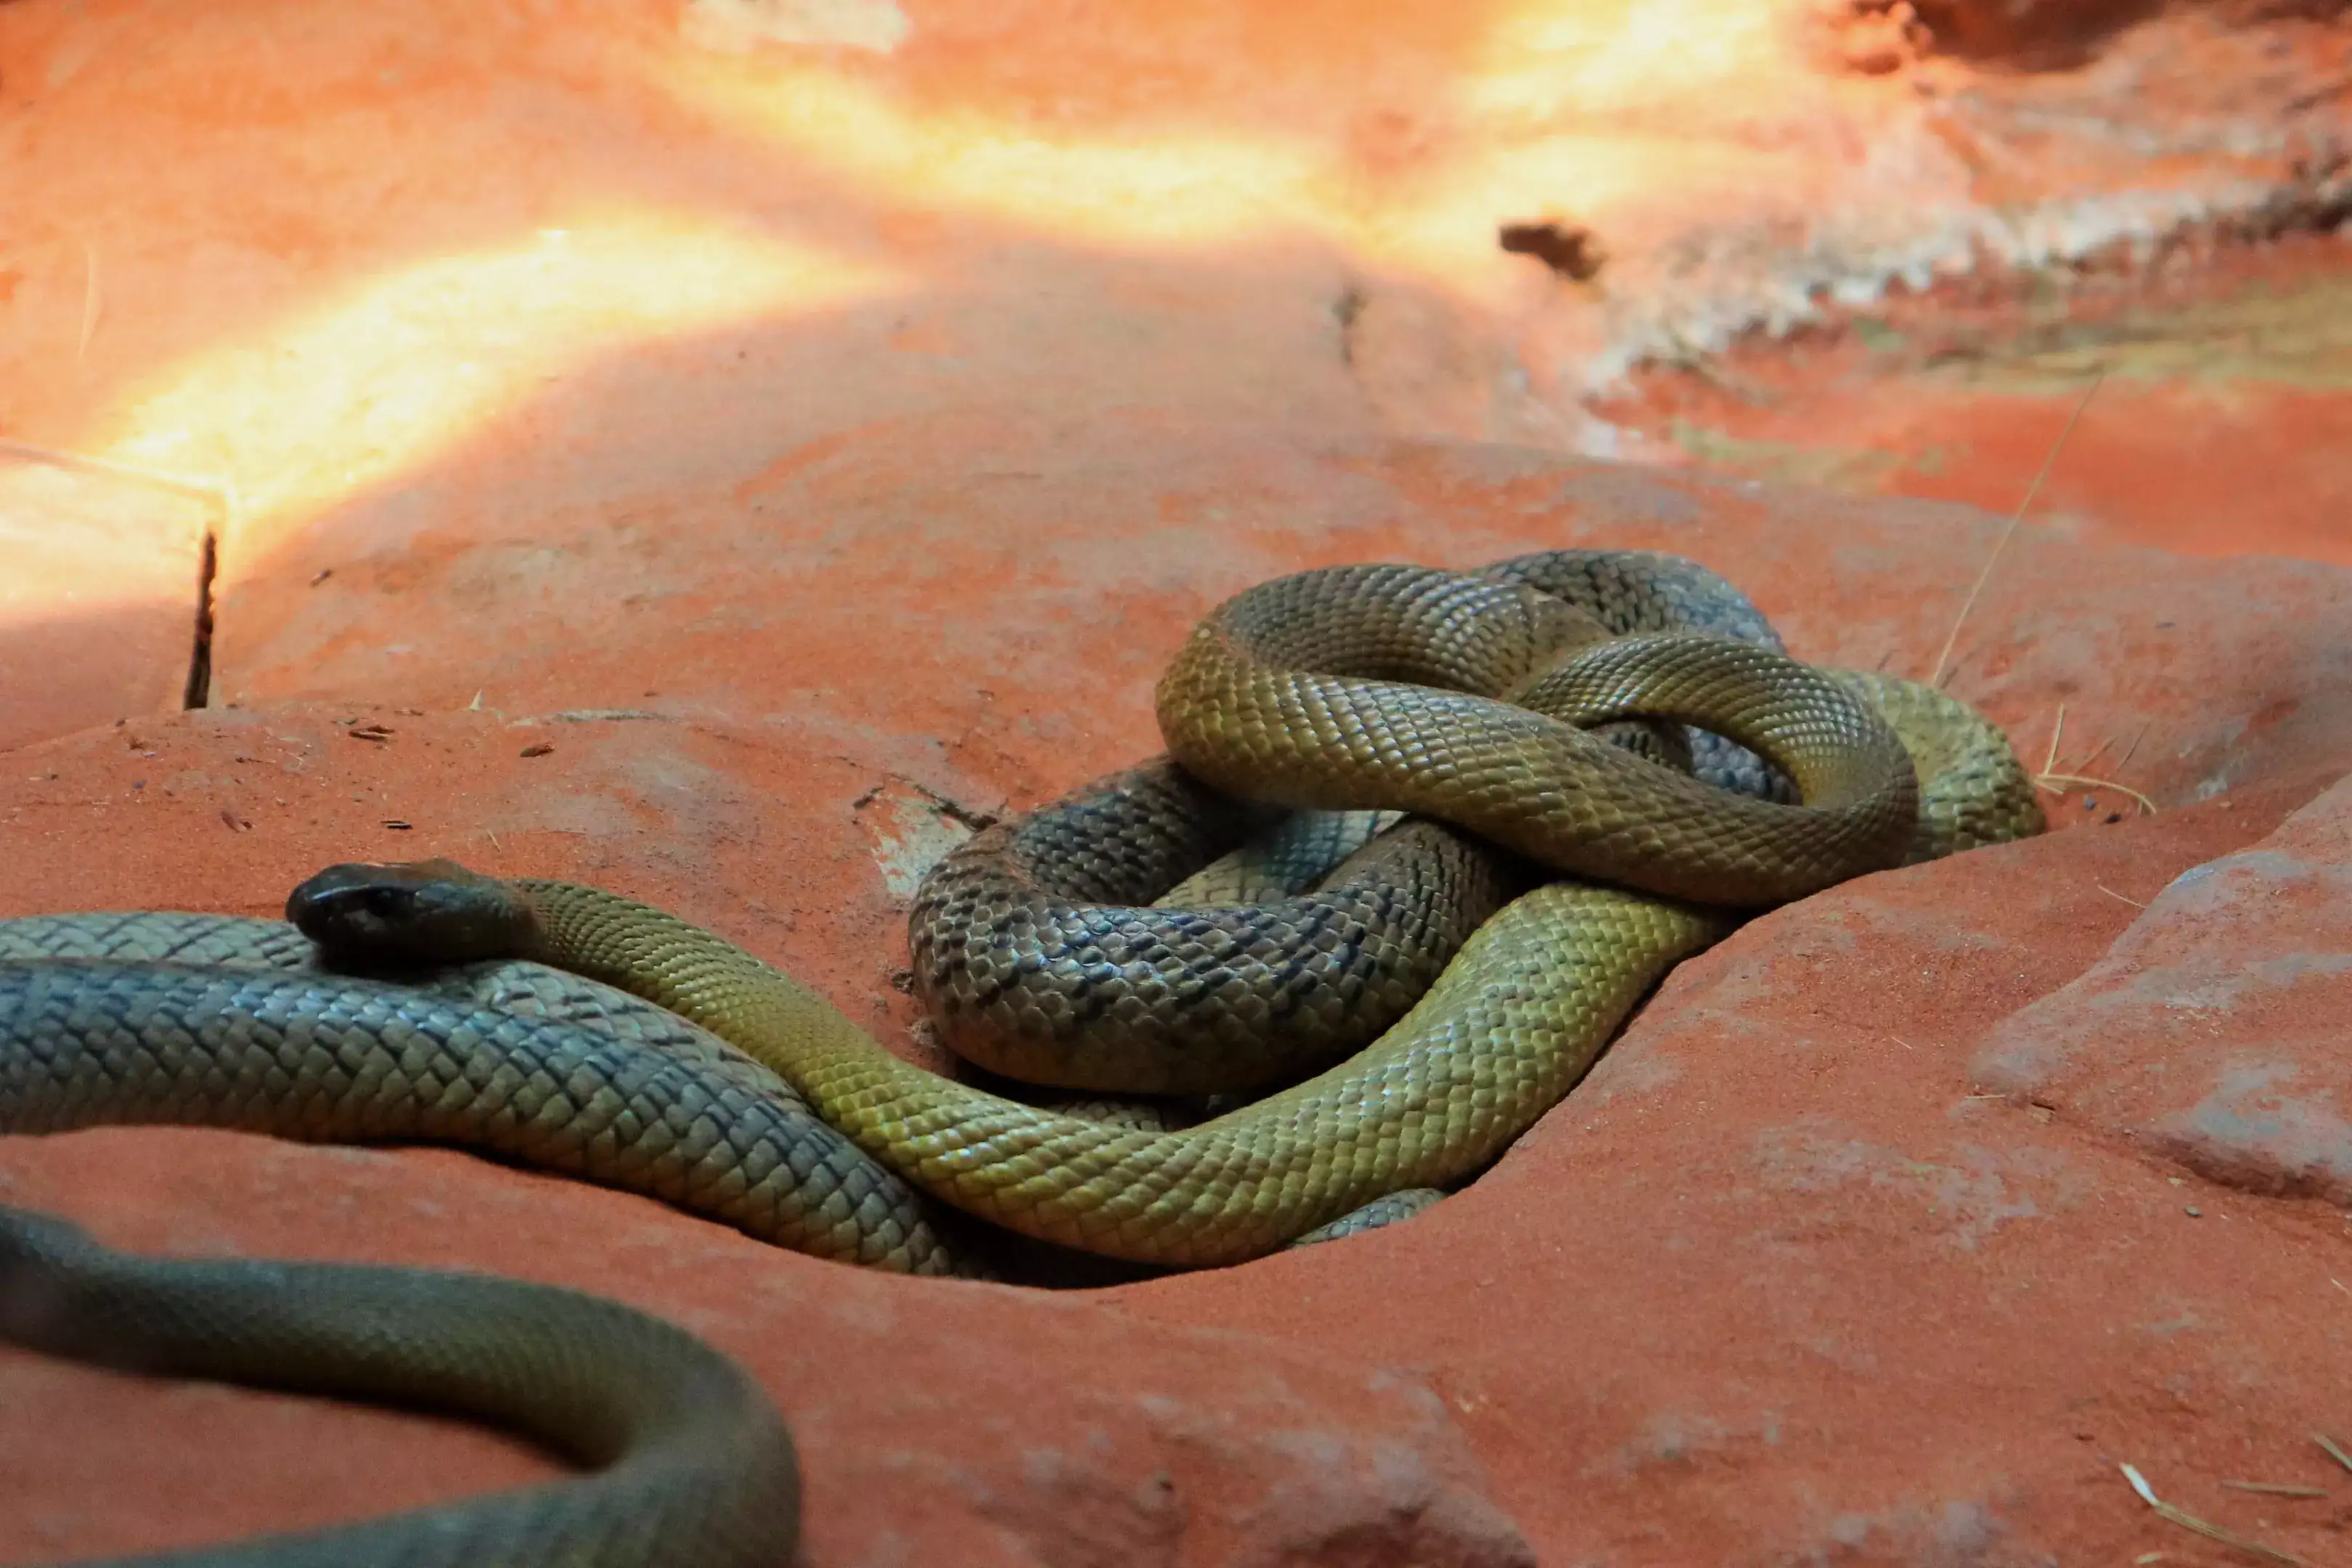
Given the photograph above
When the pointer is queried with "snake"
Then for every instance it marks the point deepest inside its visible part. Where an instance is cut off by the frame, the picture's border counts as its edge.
(691, 1462)
(1399, 1019)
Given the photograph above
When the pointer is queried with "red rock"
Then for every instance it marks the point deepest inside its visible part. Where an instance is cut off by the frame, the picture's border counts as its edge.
(104, 574)
(1781, 1282)
(979, 1425)
(2211, 1031)
(528, 238)
(1787, 1278)
(2210, 374)
(719, 475)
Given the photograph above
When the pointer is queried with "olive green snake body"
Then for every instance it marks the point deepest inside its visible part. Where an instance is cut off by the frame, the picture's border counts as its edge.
(694, 1465)
(1438, 991)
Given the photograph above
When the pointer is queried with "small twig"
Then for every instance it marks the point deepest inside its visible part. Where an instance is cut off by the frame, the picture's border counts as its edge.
(2275, 1489)
(2091, 757)
(2334, 1452)
(90, 298)
(2188, 1521)
(2056, 730)
(2113, 894)
(1935, 676)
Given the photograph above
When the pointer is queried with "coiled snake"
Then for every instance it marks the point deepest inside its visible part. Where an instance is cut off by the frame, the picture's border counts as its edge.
(1424, 1003)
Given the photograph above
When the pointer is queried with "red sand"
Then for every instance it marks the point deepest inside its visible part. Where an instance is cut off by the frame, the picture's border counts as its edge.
(796, 439)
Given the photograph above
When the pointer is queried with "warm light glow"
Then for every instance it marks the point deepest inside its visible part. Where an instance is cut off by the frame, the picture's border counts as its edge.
(369, 380)
(1166, 190)
(82, 538)
(1703, 61)
(357, 389)
(1581, 106)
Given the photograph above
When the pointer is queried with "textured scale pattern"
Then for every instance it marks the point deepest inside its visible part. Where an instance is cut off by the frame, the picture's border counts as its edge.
(1981, 795)
(1355, 689)
(1288, 694)
(1039, 955)
(201, 1020)
(1394, 1208)
(1632, 591)
(693, 1464)
(1526, 1003)
(1287, 858)
(1517, 1018)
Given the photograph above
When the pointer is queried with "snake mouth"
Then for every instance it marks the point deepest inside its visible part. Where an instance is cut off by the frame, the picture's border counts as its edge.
(411, 912)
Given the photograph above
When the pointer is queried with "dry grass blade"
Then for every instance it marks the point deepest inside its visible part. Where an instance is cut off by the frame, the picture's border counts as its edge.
(2051, 782)
(1935, 676)
(2113, 894)
(2188, 1521)
(2334, 1453)
(2091, 757)
(2057, 730)
(2275, 1489)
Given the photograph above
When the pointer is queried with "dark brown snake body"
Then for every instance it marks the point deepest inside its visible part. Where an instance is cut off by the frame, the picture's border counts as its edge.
(1461, 699)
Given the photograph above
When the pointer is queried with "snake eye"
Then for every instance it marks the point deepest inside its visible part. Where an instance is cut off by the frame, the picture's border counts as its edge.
(371, 903)
(427, 912)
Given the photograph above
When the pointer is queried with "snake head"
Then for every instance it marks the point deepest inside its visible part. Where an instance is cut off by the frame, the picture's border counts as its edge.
(411, 912)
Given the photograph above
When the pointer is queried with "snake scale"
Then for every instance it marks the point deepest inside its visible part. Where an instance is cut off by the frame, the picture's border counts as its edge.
(694, 1465)
(1412, 1011)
